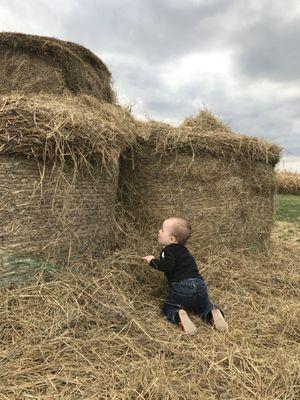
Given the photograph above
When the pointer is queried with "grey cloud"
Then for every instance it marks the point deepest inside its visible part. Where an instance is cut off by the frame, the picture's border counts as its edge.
(158, 31)
(141, 81)
(271, 121)
(269, 49)
(33, 17)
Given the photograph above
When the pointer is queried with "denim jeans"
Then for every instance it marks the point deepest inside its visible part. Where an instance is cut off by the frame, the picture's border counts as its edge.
(191, 295)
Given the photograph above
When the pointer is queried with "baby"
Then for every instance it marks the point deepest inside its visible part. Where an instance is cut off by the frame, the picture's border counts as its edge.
(187, 289)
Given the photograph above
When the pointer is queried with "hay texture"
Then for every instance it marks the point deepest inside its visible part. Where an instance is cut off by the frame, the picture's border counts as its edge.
(35, 64)
(59, 166)
(223, 183)
(97, 332)
(288, 182)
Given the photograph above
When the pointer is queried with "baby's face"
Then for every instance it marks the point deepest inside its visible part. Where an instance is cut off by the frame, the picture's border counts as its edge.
(165, 236)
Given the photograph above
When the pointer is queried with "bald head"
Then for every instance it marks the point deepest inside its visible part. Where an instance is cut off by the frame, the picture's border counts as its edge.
(180, 228)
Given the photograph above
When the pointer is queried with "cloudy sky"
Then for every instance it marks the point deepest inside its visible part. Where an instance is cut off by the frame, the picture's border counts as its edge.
(170, 58)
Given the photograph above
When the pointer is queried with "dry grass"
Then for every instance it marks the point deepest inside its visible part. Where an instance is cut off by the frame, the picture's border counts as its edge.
(35, 64)
(96, 332)
(288, 182)
(207, 134)
(58, 128)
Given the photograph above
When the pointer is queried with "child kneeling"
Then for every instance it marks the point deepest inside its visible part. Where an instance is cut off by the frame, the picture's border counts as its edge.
(187, 289)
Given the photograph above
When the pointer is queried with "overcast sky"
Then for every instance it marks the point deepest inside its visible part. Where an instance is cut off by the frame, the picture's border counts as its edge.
(169, 58)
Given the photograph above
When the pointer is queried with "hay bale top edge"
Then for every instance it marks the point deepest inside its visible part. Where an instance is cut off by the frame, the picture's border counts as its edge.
(58, 128)
(207, 134)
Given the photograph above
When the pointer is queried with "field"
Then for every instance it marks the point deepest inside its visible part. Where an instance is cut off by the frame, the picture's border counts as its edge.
(288, 208)
(96, 332)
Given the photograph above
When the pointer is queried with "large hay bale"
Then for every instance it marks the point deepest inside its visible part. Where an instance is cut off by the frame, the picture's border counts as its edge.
(59, 166)
(35, 64)
(288, 182)
(222, 182)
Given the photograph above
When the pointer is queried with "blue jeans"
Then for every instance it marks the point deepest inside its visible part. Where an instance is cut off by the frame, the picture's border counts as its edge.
(191, 295)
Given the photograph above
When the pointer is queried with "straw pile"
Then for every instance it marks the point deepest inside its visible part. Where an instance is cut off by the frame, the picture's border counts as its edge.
(288, 182)
(35, 64)
(59, 166)
(222, 182)
(97, 332)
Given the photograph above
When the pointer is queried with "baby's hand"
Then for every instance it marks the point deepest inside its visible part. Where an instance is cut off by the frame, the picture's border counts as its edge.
(148, 258)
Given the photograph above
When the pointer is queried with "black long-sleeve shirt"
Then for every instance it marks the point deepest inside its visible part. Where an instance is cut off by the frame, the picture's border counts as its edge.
(176, 262)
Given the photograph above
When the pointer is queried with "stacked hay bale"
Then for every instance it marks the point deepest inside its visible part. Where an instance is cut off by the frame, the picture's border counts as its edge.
(222, 182)
(35, 64)
(61, 135)
(59, 165)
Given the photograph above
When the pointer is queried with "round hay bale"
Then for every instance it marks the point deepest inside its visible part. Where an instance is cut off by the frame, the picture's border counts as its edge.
(288, 182)
(59, 167)
(46, 211)
(35, 64)
(221, 182)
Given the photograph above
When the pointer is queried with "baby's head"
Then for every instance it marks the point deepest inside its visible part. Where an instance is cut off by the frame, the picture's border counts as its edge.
(174, 230)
